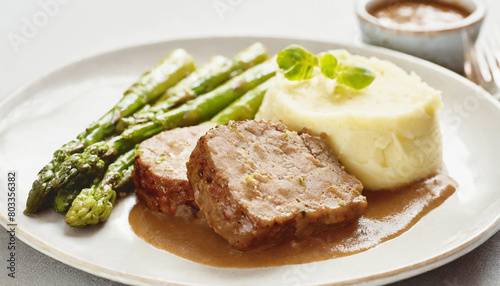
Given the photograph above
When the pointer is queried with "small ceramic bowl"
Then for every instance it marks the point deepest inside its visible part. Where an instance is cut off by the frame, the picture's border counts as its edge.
(444, 44)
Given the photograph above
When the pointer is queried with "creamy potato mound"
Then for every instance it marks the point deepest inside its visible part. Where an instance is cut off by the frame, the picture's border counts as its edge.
(387, 134)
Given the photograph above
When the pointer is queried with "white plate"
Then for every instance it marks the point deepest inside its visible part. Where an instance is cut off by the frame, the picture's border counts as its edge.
(51, 111)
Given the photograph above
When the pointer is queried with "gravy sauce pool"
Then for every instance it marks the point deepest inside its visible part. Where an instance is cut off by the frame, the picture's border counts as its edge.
(419, 14)
(388, 215)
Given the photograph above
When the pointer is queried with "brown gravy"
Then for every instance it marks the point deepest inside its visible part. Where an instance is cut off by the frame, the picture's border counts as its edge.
(418, 14)
(388, 215)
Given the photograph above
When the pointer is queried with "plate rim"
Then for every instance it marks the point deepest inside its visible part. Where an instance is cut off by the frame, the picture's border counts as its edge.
(384, 277)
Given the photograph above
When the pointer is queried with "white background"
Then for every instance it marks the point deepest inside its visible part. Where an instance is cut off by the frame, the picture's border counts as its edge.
(38, 37)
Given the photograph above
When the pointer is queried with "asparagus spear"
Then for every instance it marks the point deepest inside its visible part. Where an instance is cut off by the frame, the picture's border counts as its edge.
(200, 81)
(216, 71)
(94, 204)
(245, 107)
(119, 174)
(193, 112)
(209, 79)
(150, 86)
(203, 80)
(174, 67)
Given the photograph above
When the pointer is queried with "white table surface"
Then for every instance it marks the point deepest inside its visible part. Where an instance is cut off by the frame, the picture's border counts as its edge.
(72, 30)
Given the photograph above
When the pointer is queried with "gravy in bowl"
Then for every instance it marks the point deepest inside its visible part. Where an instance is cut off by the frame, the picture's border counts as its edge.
(419, 14)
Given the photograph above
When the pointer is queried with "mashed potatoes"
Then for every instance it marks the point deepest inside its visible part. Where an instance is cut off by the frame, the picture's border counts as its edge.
(387, 134)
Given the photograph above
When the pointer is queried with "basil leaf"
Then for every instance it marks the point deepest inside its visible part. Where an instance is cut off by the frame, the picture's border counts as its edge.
(300, 72)
(354, 75)
(328, 65)
(297, 62)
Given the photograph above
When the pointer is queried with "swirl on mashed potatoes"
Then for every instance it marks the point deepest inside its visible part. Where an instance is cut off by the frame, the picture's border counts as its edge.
(387, 134)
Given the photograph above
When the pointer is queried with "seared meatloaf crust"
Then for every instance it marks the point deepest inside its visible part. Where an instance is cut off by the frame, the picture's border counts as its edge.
(258, 183)
(160, 170)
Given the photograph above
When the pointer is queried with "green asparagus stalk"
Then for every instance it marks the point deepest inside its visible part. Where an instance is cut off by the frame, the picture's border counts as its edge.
(94, 204)
(193, 112)
(245, 107)
(203, 80)
(174, 67)
(149, 87)
(208, 79)
(200, 81)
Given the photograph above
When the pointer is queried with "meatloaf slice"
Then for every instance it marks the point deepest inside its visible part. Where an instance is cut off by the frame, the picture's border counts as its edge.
(258, 183)
(160, 170)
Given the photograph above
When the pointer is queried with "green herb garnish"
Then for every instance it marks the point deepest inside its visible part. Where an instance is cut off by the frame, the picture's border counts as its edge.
(250, 177)
(301, 181)
(298, 63)
(236, 129)
(354, 75)
(329, 65)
